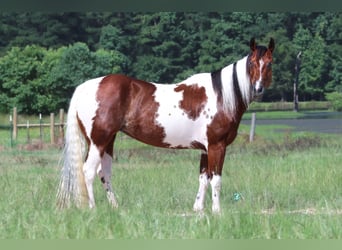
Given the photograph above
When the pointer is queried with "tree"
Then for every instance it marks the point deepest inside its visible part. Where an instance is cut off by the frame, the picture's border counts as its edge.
(161, 47)
(107, 62)
(335, 72)
(312, 68)
(283, 68)
(110, 38)
(19, 69)
(78, 64)
(333, 32)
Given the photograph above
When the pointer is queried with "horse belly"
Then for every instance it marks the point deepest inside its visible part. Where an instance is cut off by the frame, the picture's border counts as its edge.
(184, 133)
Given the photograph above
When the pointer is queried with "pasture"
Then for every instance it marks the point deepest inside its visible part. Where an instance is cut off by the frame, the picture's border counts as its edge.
(284, 185)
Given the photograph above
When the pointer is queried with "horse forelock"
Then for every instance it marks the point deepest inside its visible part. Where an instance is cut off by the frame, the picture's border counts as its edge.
(260, 51)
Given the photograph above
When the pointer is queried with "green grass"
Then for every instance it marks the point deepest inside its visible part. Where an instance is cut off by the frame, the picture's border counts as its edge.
(290, 185)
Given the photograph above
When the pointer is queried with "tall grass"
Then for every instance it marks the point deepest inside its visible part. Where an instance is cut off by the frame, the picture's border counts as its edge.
(290, 187)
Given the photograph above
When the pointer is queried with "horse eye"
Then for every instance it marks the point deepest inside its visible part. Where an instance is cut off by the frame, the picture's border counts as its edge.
(269, 65)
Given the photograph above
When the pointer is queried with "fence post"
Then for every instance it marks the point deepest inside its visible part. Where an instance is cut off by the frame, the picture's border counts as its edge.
(40, 128)
(11, 130)
(28, 131)
(61, 125)
(52, 128)
(252, 131)
(15, 124)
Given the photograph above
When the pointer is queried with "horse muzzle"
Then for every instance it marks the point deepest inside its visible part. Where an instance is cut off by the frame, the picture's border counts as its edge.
(258, 89)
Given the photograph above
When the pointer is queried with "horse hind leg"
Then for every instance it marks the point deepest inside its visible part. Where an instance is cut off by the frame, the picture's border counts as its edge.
(203, 184)
(89, 171)
(105, 174)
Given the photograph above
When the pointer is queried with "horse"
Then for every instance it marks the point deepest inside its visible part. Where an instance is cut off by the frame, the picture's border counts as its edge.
(202, 112)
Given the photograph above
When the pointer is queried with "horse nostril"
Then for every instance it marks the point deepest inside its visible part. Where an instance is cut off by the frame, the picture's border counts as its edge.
(258, 90)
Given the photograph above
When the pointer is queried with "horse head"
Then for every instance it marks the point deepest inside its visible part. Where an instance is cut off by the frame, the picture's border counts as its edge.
(259, 66)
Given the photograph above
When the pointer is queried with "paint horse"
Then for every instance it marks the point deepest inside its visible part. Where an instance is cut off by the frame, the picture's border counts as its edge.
(202, 112)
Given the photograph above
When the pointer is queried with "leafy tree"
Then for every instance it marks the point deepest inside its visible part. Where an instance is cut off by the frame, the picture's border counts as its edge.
(313, 62)
(43, 56)
(333, 33)
(110, 38)
(78, 64)
(335, 99)
(73, 68)
(19, 69)
(335, 72)
(283, 68)
(106, 62)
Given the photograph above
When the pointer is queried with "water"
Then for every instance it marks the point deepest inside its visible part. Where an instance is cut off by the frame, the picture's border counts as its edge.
(322, 115)
(320, 122)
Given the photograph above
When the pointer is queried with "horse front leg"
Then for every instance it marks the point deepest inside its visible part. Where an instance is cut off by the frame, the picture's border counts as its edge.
(216, 154)
(203, 184)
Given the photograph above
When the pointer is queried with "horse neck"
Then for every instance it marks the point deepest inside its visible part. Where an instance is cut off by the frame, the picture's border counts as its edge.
(236, 92)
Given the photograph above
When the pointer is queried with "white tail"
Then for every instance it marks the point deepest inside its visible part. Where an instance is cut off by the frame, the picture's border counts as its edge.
(72, 188)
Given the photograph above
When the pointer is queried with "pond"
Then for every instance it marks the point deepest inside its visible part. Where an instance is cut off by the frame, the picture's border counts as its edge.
(321, 122)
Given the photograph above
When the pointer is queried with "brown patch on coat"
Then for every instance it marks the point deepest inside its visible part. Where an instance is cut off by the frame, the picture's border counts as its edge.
(112, 101)
(266, 70)
(128, 105)
(198, 145)
(140, 120)
(194, 99)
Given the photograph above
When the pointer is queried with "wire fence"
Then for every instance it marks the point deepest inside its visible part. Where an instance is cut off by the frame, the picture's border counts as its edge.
(46, 130)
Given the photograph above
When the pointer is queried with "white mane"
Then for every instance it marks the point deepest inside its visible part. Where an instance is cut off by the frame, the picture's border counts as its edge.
(228, 93)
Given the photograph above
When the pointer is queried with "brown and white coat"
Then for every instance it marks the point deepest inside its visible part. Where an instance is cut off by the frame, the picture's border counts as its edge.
(202, 112)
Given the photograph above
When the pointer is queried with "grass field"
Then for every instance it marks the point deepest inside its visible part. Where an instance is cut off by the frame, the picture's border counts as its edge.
(290, 184)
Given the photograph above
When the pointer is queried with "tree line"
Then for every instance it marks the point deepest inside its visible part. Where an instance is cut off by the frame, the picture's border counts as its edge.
(44, 56)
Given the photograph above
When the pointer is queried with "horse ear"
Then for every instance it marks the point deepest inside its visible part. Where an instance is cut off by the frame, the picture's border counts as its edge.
(271, 45)
(252, 44)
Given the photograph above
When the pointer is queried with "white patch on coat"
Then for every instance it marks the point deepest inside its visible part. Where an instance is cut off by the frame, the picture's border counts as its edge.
(89, 171)
(202, 190)
(180, 130)
(87, 103)
(216, 188)
(258, 83)
(244, 81)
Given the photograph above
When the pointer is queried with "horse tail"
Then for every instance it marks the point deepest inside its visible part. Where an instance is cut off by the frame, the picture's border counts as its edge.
(72, 188)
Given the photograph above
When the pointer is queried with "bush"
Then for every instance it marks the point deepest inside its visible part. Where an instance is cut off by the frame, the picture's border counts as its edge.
(335, 98)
